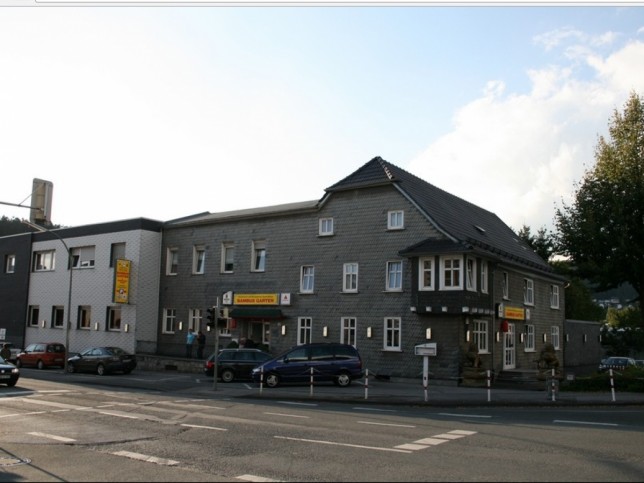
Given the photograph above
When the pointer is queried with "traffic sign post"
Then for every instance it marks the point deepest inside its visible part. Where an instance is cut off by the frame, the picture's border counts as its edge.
(425, 350)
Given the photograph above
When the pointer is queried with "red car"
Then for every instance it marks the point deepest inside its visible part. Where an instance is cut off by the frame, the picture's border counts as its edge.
(42, 354)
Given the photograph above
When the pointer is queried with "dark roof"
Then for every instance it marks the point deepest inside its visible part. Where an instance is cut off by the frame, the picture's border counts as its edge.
(465, 225)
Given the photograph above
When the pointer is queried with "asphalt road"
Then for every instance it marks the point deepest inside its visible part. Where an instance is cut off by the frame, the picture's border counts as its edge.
(174, 427)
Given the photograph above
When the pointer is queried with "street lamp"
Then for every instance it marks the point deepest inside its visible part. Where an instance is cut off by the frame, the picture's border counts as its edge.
(69, 292)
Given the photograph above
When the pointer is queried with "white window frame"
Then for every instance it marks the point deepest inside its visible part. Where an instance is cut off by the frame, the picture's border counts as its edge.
(350, 277)
(258, 262)
(480, 335)
(44, 261)
(194, 319)
(447, 267)
(505, 285)
(325, 226)
(484, 276)
(554, 296)
(117, 252)
(554, 337)
(227, 257)
(426, 267)
(304, 330)
(169, 321)
(528, 291)
(84, 317)
(198, 260)
(470, 274)
(58, 317)
(395, 220)
(392, 337)
(172, 261)
(83, 257)
(307, 279)
(114, 319)
(10, 264)
(348, 330)
(34, 315)
(530, 340)
(394, 276)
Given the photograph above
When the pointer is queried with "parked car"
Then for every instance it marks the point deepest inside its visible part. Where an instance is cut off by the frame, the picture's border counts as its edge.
(42, 355)
(235, 363)
(639, 362)
(102, 360)
(340, 363)
(618, 363)
(9, 374)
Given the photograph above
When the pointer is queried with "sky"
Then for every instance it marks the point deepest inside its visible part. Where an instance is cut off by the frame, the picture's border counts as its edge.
(167, 111)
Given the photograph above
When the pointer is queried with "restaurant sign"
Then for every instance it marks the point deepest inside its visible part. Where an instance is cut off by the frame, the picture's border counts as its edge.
(256, 299)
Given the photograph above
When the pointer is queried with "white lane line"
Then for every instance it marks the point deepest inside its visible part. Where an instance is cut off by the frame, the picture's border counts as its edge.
(448, 436)
(431, 441)
(118, 415)
(463, 432)
(258, 479)
(465, 415)
(411, 446)
(297, 403)
(22, 414)
(62, 439)
(204, 427)
(332, 443)
(388, 424)
(149, 459)
(375, 409)
(583, 422)
(289, 415)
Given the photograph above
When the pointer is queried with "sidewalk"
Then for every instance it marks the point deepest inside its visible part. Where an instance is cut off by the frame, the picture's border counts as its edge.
(400, 391)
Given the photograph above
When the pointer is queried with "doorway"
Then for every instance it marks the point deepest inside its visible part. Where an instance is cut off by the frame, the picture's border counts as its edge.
(509, 351)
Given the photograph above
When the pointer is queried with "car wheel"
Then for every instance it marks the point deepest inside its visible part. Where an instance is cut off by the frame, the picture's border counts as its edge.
(11, 383)
(127, 371)
(70, 368)
(40, 364)
(272, 380)
(100, 370)
(227, 375)
(343, 380)
(18, 363)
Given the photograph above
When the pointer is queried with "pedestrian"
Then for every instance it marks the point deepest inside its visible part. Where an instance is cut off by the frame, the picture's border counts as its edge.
(5, 353)
(190, 339)
(201, 344)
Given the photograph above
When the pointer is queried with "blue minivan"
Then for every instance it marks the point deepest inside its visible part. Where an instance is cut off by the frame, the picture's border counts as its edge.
(339, 363)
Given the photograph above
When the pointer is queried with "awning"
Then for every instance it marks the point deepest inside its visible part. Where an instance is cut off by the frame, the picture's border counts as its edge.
(256, 313)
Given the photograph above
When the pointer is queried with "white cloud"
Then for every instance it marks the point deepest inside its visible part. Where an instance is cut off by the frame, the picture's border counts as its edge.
(519, 156)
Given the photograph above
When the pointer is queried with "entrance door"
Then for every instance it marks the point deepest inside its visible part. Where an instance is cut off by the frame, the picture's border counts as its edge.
(509, 354)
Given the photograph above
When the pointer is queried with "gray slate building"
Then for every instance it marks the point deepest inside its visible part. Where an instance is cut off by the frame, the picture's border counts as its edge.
(384, 261)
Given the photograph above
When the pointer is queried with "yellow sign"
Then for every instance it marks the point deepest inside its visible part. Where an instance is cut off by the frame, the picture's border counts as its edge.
(122, 281)
(256, 299)
(514, 313)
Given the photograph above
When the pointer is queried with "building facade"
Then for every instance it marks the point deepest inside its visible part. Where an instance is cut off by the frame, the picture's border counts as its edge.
(111, 303)
(384, 261)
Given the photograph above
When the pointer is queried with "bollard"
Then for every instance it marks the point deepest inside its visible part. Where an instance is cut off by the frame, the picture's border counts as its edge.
(261, 380)
(311, 383)
(489, 395)
(553, 389)
(612, 384)
(366, 384)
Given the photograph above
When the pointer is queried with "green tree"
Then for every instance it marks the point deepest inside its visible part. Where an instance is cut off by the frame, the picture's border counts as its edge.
(543, 243)
(603, 230)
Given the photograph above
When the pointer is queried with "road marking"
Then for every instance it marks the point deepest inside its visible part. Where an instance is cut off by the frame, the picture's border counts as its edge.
(583, 422)
(146, 458)
(332, 443)
(431, 441)
(436, 440)
(119, 415)
(22, 414)
(465, 415)
(62, 439)
(388, 424)
(411, 446)
(376, 409)
(203, 427)
(289, 415)
(258, 479)
(297, 403)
